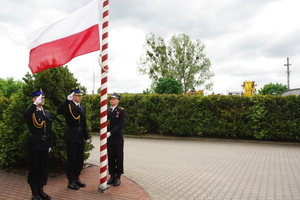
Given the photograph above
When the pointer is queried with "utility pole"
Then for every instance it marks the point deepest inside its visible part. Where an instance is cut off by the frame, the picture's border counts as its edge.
(93, 82)
(288, 72)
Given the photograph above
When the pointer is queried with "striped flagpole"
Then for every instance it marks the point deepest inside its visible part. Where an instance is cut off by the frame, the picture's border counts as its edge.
(103, 104)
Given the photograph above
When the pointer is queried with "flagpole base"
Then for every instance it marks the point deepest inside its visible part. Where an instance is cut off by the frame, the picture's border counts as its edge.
(103, 189)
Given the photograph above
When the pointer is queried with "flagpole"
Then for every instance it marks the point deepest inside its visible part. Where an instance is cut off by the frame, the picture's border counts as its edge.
(102, 187)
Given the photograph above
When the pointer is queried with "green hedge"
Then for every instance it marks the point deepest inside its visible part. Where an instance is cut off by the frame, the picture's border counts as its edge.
(260, 117)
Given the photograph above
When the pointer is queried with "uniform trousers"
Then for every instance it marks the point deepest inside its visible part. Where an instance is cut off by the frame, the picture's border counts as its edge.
(38, 167)
(75, 158)
(115, 159)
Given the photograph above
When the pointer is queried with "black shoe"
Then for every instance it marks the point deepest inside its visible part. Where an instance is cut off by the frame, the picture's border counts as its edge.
(35, 194)
(36, 197)
(111, 180)
(79, 183)
(42, 194)
(72, 185)
(117, 182)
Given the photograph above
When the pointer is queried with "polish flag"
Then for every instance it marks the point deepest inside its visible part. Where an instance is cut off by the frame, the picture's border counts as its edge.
(58, 43)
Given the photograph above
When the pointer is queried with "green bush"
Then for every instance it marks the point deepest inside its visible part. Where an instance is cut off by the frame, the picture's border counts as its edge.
(261, 117)
(56, 84)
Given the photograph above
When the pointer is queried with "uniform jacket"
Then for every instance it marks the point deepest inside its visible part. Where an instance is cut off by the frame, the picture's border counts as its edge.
(76, 130)
(40, 127)
(116, 122)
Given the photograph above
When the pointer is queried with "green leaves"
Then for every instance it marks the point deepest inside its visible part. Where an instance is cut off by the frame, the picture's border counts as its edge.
(258, 117)
(168, 86)
(273, 89)
(180, 59)
(56, 84)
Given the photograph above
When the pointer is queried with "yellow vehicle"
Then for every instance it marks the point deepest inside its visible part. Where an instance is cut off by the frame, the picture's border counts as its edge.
(249, 87)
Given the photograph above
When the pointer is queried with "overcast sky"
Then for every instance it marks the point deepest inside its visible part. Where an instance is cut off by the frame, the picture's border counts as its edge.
(244, 39)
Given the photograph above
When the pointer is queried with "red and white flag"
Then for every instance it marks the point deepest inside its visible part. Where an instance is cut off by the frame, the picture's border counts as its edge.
(58, 43)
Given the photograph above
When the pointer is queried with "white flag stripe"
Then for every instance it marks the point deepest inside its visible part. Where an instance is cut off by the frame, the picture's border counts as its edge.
(76, 22)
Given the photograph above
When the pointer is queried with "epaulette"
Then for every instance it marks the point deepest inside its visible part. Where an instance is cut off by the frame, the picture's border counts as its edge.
(121, 108)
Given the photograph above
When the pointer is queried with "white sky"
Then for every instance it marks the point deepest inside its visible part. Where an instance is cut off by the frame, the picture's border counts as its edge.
(245, 40)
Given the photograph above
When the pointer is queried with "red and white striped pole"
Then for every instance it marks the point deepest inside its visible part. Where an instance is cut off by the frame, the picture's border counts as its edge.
(103, 104)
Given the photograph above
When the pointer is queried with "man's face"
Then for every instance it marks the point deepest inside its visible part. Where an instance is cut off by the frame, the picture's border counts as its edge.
(77, 98)
(113, 101)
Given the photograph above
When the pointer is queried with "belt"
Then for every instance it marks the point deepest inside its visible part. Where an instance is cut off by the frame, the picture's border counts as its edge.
(75, 128)
(43, 137)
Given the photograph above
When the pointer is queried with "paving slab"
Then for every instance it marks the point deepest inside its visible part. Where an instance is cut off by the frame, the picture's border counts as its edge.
(211, 169)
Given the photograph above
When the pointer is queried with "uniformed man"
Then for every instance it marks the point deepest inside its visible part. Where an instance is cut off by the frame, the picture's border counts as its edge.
(75, 135)
(116, 119)
(39, 144)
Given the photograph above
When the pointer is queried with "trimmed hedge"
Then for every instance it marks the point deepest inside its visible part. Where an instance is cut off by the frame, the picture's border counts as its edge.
(260, 117)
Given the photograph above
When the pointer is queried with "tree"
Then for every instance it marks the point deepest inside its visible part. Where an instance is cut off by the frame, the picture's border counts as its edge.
(99, 90)
(147, 91)
(168, 86)
(182, 60)
(56, 83)
(9, 86)
(273, 89)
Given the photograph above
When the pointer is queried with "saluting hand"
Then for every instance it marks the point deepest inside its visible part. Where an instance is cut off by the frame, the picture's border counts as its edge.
(38, 100)
(70, 96)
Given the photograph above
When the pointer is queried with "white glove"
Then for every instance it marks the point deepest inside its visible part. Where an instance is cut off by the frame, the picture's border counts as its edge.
(38, 100)
(88, 140)
(108, 134)
(49, 149)
(70, 97)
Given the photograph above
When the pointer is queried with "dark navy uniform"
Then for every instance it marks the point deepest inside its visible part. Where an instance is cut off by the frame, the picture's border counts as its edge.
(75, 136)
(115, 143)
(38, 144)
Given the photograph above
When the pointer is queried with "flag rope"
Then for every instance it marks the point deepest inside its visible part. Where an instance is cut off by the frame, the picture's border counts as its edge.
(102, 187)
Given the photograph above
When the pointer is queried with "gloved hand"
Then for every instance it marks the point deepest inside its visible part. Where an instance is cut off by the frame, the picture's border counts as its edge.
(38, 100)
(88, 140)
(49, 149)
(108, 134)
(70, 96)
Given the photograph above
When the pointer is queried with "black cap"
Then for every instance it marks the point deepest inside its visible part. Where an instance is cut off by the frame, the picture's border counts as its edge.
(115, 95)
(77, 91)
(37, 93)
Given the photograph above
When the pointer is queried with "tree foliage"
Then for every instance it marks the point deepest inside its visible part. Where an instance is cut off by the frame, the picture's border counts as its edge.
(182, 60)
(168, 86)
(56, 83)
(9, 86)
(262, 117)
(273, 89)
(147, 91)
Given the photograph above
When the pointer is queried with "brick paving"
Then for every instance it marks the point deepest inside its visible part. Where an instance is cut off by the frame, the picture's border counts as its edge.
(161, 169)
(15, 187)
(213, 169)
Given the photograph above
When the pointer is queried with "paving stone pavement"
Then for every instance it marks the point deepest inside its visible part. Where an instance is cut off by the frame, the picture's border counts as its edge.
(211, 169)
(15, 187)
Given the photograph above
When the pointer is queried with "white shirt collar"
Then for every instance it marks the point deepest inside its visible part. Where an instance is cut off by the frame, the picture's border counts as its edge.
(77, 104)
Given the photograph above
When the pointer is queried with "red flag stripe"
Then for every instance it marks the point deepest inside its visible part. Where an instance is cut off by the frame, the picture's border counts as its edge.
(60, 52)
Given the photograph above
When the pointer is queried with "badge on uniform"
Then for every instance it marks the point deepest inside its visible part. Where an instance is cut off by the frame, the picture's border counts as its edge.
(117, 114)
